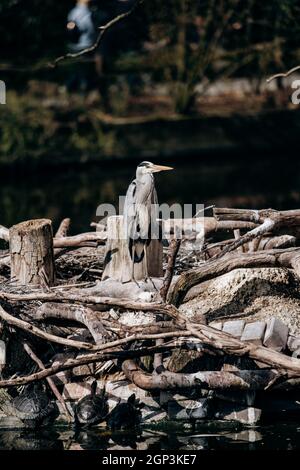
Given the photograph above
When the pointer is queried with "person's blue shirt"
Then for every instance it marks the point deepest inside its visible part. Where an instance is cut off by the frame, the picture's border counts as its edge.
(81, 15)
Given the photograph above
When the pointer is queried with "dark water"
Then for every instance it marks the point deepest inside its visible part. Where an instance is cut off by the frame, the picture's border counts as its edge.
(76, 192)
(242, 181)
(272, 437)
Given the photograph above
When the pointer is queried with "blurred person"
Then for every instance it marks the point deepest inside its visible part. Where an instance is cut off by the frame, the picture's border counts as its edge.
(82, 34)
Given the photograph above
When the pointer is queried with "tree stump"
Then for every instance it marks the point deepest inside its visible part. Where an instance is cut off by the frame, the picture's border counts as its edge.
(31, 252)
(117, 261)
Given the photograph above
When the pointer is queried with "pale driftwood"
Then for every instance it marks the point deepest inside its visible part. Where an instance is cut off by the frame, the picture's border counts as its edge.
(31, 251)
(215, 380)
(206, 225)
(63, 228)
(4, 233)
(118, 264)
(84, 239)
(49, 380)
(267, 226)
(72, 312)
(144, 290)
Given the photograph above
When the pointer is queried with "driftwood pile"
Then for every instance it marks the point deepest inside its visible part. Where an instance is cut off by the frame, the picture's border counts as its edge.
(62, 323)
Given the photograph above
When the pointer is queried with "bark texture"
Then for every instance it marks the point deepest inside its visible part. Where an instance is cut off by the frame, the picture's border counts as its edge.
(31, 251)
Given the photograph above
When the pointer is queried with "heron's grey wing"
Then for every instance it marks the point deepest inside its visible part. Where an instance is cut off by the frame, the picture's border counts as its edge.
(130, 210)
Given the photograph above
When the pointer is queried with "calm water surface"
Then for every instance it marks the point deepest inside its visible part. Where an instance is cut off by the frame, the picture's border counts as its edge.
(272, 437)
(77, 191)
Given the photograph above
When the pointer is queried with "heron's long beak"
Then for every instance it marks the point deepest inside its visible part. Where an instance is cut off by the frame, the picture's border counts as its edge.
(157, 168)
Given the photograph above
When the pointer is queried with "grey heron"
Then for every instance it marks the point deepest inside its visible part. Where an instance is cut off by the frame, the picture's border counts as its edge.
(141, 212)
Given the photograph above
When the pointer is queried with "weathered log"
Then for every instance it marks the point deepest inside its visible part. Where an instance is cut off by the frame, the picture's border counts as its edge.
(84, 239)
(31, 250)
(118, 263)
(216, 380)
(289, 258)
(283, 218)
(208, 225)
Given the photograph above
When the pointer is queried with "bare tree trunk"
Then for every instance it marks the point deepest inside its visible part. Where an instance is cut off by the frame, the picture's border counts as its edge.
(31, 250)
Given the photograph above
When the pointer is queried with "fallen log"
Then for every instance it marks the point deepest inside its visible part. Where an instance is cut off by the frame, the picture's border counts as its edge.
(289, 258)
(214, 380)
(84, 239)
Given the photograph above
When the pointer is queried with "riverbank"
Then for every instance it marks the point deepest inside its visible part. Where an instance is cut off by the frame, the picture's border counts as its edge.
(49, 130)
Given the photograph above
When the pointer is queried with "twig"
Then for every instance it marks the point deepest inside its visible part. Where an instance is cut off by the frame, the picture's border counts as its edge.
(283, 74)
(50, 382)
(103, 30)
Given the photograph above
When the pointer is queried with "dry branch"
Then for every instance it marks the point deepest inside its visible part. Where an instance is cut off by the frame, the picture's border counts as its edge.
(86, 359)
(283, 74)
(221, 342)
(78, 313)
(63, 228)
(25, 326)
(49, 380)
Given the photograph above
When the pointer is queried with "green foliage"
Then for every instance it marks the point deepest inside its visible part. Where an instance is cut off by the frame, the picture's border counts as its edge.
(29, 131)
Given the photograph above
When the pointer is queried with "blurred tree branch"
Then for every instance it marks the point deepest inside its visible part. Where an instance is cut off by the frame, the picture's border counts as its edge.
(283, 74)
(103, 29)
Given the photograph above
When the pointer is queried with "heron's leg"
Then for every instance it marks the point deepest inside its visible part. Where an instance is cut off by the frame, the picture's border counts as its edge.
(147, 276)
(146, 263)
(132, 266)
